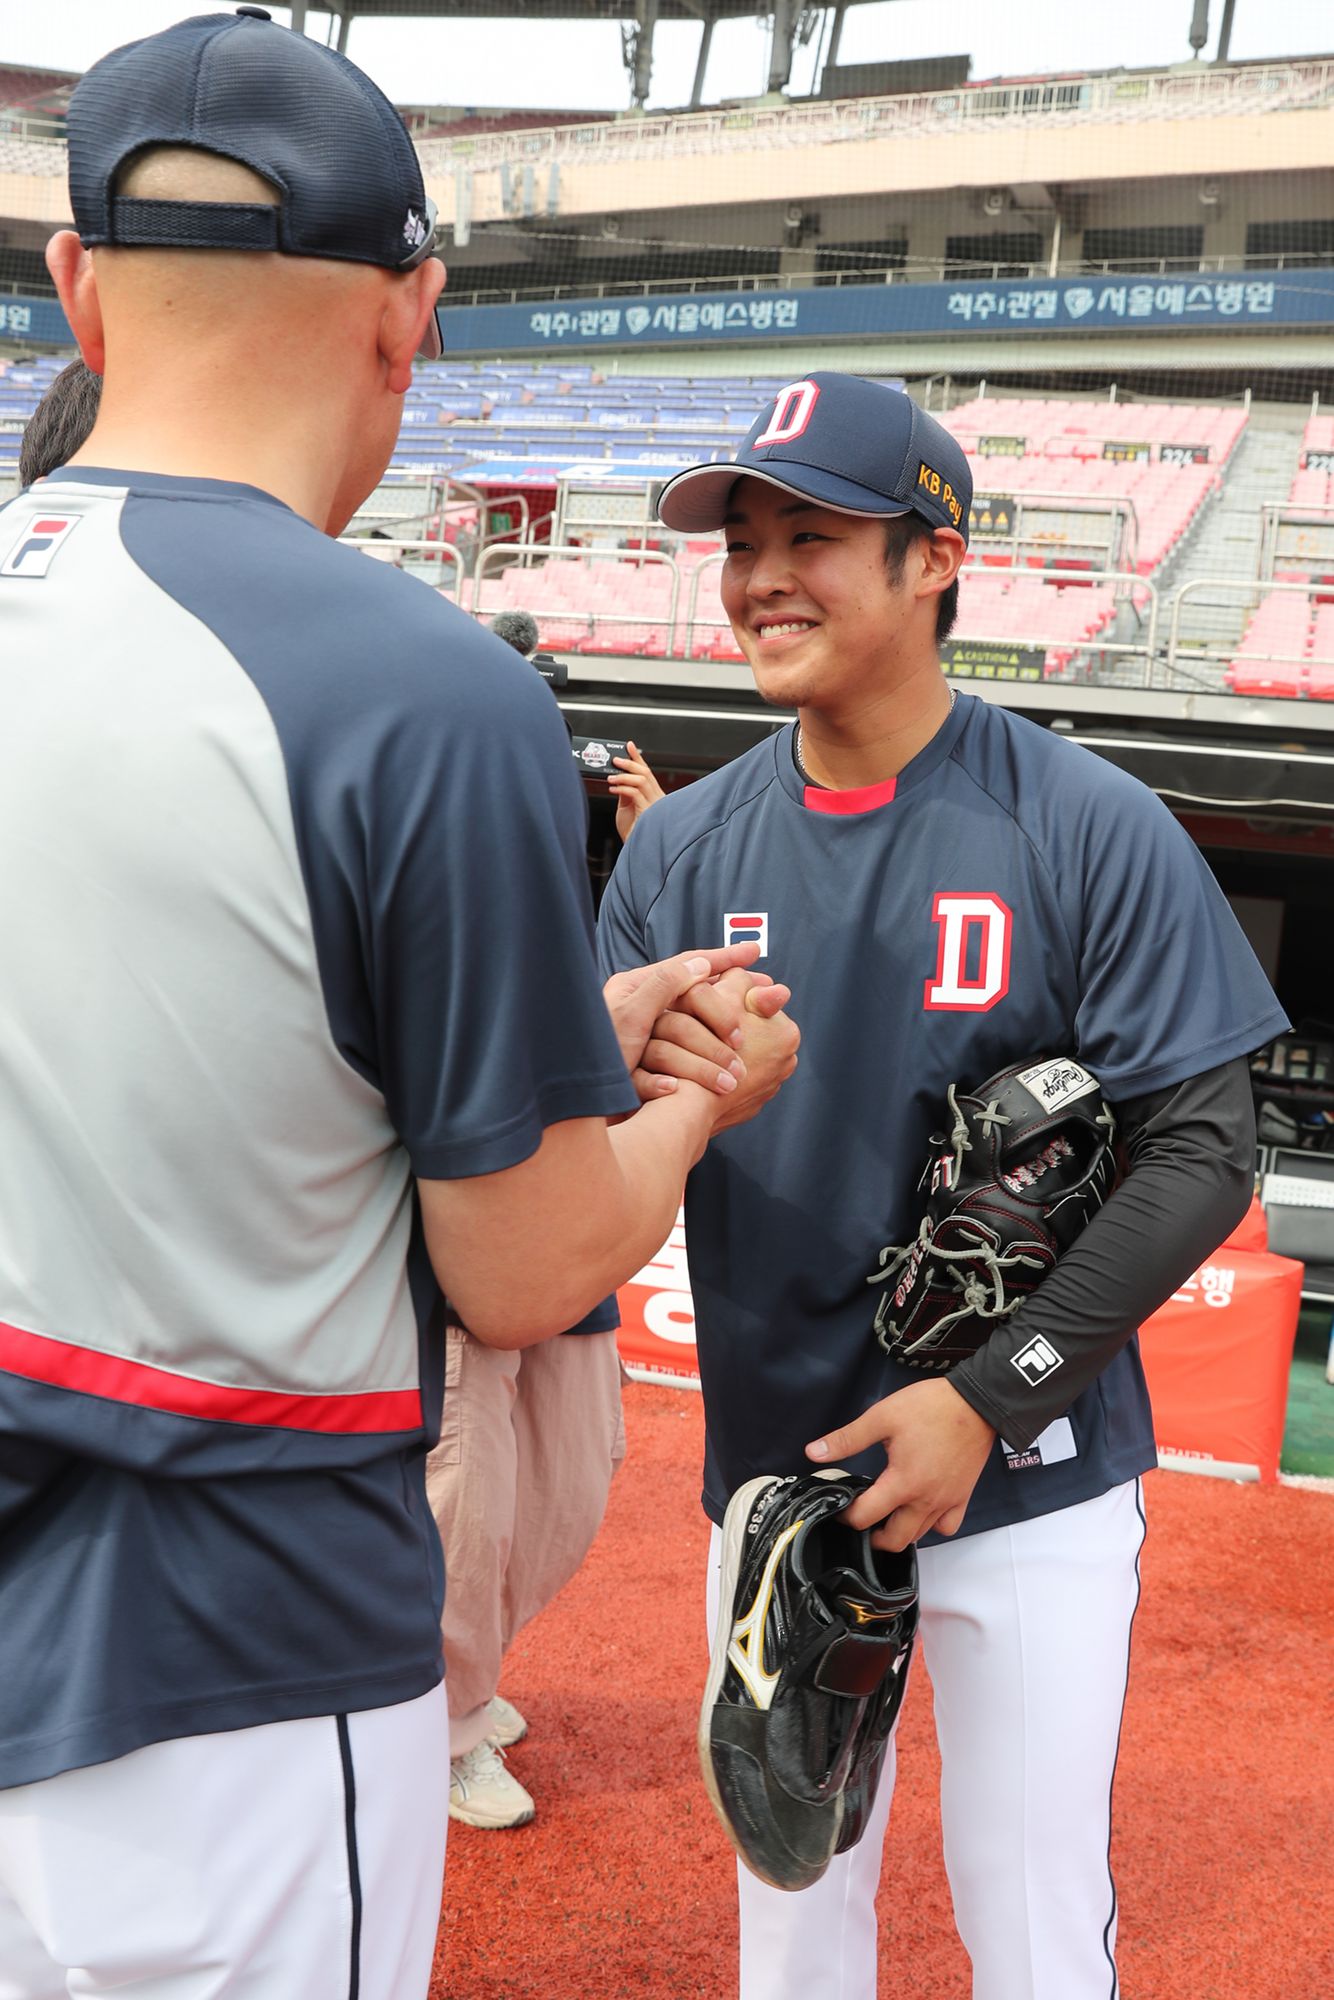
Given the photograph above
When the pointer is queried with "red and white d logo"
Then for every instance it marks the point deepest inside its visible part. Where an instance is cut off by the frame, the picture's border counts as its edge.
(792, 413)
(961, 918)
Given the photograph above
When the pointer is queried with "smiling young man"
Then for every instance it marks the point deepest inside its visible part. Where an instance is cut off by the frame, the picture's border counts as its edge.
(963, 890)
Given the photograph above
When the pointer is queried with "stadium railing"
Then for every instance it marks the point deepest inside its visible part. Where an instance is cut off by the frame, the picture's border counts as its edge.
(1287, 649)
(424, 559)
(913, 271)
(1101, 627)
(1203, 91)
(599, 618)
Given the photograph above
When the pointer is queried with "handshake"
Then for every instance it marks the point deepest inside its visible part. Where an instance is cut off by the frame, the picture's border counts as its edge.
(704, 1020)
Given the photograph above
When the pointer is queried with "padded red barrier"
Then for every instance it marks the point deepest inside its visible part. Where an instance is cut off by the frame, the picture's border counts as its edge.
(1217, 1357)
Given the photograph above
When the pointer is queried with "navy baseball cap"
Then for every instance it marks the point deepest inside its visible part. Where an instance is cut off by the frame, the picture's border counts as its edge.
(854, 445)
(348, 179)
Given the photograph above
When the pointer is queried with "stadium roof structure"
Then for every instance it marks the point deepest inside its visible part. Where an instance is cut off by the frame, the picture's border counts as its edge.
(793, 23)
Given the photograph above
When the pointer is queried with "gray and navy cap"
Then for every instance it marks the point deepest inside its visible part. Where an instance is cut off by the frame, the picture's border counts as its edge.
(305, 118)
(858, 446)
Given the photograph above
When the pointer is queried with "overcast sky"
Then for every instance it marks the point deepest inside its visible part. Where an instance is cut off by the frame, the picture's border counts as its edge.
(560, 64)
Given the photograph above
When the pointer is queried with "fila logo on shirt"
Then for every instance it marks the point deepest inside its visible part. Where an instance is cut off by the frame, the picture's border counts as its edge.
(973, 952)
(35, 550)
(1036, 1361)
(793, 410)
(747, 927)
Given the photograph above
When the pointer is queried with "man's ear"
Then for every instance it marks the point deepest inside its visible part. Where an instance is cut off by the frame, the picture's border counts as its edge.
(71, 268)
(411, 303)
(942, 558)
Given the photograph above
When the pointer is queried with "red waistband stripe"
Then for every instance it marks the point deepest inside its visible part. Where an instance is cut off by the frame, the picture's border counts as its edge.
(39, 1358)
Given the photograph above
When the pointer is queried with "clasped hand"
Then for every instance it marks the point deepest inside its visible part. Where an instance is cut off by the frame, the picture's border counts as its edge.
(705, 1018)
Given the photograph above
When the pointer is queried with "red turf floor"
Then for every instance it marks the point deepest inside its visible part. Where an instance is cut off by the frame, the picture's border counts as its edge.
(623, 1885)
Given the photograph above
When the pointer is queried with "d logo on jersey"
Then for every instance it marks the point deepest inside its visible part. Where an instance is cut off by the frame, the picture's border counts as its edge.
(793, 410)
(973, 955)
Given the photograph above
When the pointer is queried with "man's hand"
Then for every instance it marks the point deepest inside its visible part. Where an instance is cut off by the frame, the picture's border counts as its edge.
(637, 998)
(936, 1445)
(700, 1039)
(768, 1048)
(634, 788)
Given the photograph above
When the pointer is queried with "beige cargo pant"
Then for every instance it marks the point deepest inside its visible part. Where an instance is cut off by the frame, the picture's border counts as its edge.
(518, 1485)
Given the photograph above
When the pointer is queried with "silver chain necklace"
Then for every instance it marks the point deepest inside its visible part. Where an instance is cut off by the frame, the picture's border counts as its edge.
(805, 775)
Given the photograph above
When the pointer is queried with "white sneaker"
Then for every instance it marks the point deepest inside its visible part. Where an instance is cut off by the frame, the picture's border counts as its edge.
(483, 1792)
(507, 1725)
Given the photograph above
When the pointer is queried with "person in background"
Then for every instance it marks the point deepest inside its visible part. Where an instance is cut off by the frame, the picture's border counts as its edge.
(634, 788)
(632, 784)
(518, 1485)
(60, 423)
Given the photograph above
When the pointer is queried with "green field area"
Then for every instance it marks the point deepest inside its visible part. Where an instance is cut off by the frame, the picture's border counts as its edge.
(1308, 1436)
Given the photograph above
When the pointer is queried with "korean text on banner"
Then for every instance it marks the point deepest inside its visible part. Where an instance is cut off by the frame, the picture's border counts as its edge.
(657, 1336)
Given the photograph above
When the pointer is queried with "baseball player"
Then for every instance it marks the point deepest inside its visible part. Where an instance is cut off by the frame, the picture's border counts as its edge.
(299, 1026)
(965, 890)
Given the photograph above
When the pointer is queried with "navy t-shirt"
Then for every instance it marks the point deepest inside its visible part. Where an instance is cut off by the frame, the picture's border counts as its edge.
(295, 911)
(1010, 895)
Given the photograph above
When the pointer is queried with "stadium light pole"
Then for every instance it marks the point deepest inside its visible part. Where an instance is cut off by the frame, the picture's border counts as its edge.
(1225, 31)
(637, 43)
(780, 49)
(702, 62)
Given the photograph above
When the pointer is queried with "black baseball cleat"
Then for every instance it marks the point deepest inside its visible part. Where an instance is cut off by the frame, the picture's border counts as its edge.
(810, 1660)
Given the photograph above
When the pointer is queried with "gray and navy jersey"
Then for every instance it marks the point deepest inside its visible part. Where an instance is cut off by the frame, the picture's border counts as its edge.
(1009, 895)
(295, 910)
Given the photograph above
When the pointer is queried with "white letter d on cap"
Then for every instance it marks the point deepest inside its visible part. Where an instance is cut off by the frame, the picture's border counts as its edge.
(792, 413)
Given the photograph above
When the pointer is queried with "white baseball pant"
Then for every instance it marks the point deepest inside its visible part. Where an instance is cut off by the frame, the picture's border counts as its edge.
(1025, 1634)
(294, 1861)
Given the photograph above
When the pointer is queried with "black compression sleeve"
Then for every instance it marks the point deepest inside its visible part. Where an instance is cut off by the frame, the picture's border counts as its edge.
(1190, 1151)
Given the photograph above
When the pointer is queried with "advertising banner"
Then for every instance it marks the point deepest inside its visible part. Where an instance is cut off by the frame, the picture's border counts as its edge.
(1002, 447)
(991, 514)
(33, 319)
(1027, 307)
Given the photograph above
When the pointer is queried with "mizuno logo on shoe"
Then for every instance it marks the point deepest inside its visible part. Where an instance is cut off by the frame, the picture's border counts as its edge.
(746, 1652)
(862, 1614)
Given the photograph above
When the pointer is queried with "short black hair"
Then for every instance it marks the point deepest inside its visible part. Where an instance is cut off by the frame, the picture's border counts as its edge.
(60, 423)
(901, 531)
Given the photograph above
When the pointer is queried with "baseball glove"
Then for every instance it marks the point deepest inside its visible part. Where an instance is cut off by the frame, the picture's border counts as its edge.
(1028, 1160)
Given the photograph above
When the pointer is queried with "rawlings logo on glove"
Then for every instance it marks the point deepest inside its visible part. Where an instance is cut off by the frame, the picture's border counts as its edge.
(1026, 1163)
